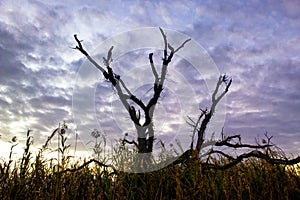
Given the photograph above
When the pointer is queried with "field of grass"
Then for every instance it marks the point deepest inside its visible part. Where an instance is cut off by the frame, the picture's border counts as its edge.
(34, 177)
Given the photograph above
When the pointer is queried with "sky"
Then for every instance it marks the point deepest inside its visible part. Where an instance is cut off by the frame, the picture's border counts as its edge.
(43, 81)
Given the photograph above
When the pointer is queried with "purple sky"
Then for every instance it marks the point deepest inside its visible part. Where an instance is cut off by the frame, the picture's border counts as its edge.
(257, 43)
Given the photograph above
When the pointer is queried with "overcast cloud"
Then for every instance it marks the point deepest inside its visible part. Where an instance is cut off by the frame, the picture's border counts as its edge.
(257, 43)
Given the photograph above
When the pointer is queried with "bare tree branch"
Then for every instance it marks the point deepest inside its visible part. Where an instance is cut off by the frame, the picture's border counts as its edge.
(131, 142)
(182, 45)
(208, 114)
(124, 86)
(79, 47)
(195, 125)
(226, 142)
(89, 162)
(255, 154)
(108, 59)
(165, 38)
(153, 68)
(233, 161)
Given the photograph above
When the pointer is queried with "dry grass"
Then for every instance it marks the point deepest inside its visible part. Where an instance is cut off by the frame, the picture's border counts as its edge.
(38, 178)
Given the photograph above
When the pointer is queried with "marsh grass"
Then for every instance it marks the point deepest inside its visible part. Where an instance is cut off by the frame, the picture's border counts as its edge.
(39, 178)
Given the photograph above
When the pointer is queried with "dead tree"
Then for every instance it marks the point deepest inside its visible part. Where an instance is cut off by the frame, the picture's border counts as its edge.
(266, 151)
(145, 130)
(206, 115)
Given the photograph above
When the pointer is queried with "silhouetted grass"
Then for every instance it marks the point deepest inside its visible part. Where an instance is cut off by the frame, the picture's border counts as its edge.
(38, 178)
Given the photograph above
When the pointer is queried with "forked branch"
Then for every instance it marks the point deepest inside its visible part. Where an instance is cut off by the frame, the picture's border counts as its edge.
(223, 79)
(260, 151)
(145, 129)
(254, 154)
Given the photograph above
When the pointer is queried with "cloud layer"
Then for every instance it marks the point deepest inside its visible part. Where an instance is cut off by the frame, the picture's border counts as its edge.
(256, 43)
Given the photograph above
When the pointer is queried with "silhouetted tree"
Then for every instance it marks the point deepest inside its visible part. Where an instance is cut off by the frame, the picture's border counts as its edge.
(145, 130)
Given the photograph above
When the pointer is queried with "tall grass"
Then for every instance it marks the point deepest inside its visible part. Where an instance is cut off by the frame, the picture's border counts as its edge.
(39, 178)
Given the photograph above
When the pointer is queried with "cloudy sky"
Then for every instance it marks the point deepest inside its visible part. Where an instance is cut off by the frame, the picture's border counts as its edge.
(257, 43)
